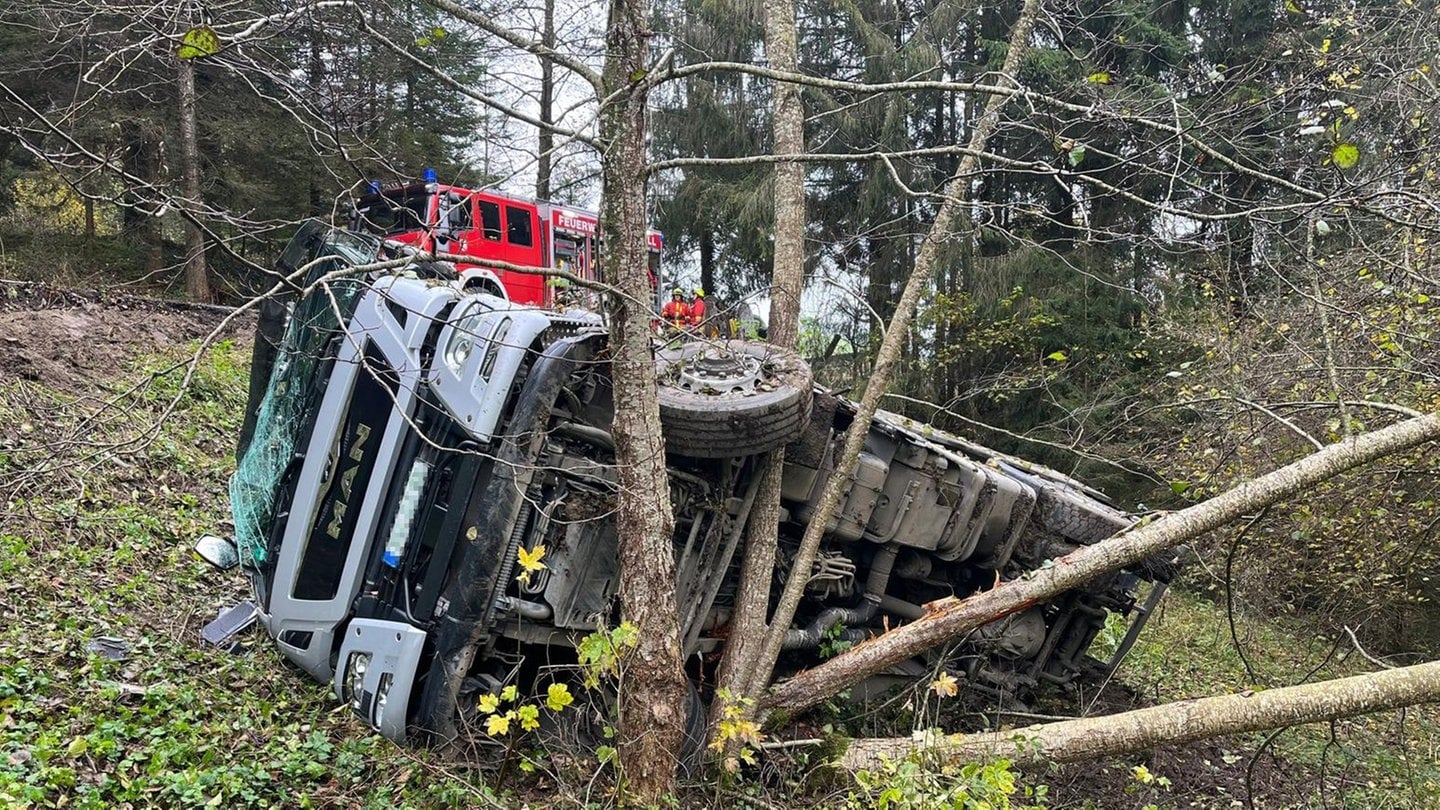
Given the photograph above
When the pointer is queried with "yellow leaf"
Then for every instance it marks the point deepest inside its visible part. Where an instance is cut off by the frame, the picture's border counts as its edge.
(498, 724)
(1325, 46)
(1345, 155)
(558, 697)
(489, 703)
(197, 42)
(529, 717)
(530, 562)
(945, 685)
(1098, 78)
(530, 558)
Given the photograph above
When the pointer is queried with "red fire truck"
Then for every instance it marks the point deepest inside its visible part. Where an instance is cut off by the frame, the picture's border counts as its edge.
(493, 226)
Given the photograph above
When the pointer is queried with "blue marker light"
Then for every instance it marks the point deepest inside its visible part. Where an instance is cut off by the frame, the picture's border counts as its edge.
(430, 176)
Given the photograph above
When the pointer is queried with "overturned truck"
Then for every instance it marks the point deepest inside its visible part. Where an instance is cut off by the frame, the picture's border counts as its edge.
(407, 440)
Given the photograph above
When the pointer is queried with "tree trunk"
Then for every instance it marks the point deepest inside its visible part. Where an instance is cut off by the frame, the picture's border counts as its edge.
(141, 219)
(1174, 723)
(197, 278)
(788, 275)
(547, 101)
(739, 674)
(707, 259)
(1077, 568)
(652, 705)
(896, 335)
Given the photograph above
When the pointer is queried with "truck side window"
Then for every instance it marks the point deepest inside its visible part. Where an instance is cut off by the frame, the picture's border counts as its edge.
(490, 220)
(457, 215)
(520, 230)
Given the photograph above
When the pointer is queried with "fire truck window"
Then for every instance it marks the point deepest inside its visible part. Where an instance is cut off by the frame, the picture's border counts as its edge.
(519, 232)
(458, 216)
(490, 220)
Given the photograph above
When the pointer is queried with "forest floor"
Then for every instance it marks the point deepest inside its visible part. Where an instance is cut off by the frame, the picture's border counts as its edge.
(109, 469)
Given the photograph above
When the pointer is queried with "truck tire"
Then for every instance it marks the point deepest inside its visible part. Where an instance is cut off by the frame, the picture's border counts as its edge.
(732, 398)
(1073, 514)
(1076, 517)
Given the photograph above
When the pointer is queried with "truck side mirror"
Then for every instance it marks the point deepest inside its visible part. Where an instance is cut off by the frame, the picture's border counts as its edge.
(218, 551)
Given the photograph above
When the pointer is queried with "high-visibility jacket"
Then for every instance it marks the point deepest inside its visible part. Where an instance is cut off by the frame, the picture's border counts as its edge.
(697, 310)
(676, 312)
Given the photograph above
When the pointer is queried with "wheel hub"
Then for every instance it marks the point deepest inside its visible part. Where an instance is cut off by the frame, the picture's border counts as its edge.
(715, 370)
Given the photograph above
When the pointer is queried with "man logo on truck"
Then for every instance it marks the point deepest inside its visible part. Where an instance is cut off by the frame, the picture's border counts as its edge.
(347, 481)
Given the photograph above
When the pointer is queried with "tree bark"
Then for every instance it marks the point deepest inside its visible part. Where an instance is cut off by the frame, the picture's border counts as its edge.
(1076, 569)
(956, 194)
(652, 705)
(1173, 723)
(788, 275)
(197, 277)
(547, 114)
(739, 675)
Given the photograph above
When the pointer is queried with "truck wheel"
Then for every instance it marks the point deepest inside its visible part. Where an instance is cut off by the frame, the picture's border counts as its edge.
(732, 398)
(1061, 507)
(1076, 517)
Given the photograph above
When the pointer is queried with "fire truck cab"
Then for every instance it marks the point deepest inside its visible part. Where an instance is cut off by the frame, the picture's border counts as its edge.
(492, 227)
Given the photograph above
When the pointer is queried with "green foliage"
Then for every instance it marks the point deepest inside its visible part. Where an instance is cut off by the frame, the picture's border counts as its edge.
(98, 544)
(1355, 550)
(1111, 634)
(737, 734)
(914, 784)
(283, 130)
(602, 652)
(833, 641)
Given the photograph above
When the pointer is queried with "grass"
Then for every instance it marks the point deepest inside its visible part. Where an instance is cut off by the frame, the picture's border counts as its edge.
(1392, 758)
(98, 526)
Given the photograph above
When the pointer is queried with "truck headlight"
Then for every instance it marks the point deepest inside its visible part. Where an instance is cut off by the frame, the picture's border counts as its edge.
(378, 710)
(355, 670)
(463, 337)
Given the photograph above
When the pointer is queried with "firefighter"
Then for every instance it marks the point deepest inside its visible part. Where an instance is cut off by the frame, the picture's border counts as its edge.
(697, 310)
(676, 313)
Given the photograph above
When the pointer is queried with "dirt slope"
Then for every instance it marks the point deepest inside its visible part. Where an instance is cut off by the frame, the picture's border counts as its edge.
(71, 339)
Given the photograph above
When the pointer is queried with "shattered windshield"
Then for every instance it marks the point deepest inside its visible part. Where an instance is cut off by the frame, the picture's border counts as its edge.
(294, 392)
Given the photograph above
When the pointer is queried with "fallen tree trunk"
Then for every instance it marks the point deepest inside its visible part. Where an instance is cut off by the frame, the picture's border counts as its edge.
(1174, 723)
(1073, 570)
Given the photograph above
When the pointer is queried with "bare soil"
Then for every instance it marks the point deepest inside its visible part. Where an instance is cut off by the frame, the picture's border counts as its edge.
(71, 339)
